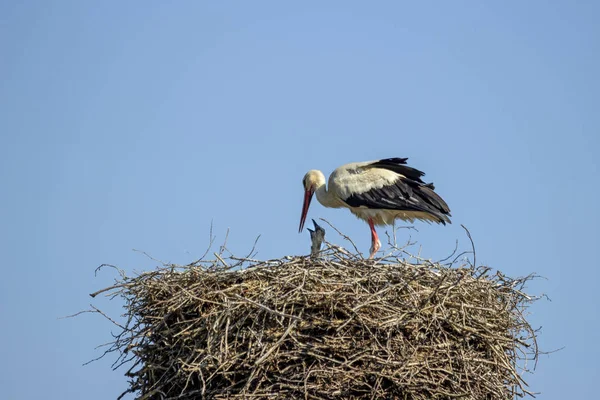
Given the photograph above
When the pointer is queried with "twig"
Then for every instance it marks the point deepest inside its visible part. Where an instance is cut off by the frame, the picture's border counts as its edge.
(343, 236)
(472, 244)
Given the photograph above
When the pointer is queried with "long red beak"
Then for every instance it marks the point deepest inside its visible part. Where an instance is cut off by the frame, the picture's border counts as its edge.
(307, 198)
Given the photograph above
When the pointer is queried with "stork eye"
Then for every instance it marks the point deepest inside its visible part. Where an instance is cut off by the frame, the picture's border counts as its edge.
(304, 182)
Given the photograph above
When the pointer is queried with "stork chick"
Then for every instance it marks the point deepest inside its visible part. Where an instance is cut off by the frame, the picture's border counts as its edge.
(317, 236)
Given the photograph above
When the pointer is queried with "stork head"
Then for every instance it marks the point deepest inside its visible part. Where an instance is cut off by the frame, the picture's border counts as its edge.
(311, 182)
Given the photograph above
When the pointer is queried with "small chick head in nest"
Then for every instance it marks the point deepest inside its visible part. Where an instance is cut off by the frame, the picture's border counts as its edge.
(317, 237)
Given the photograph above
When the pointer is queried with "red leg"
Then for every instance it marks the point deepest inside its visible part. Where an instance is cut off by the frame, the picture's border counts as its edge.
(375, 243)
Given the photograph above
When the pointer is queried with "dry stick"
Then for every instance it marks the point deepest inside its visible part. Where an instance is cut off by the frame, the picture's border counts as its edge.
(120, 271)
(451, 254)
(279, 342)
(220, 259)
(223, 247)
(210, 243)
(267, 308)
(251, 253)
(119, 285)
(343, 236)
(472, 244)
(150, 257)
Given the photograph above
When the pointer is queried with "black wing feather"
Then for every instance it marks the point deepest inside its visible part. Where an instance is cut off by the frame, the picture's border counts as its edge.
(408, 194)
(398, 165)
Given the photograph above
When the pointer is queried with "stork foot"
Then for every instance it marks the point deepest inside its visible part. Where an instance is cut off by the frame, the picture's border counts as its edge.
(374, 248)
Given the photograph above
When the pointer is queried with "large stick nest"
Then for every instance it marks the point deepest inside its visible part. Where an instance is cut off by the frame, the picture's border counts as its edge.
(337, 326)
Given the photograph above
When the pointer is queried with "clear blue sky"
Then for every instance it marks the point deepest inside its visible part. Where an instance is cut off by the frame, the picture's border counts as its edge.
(134, 124)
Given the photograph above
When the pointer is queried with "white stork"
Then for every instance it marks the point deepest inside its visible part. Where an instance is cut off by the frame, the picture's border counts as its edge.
(378, 192)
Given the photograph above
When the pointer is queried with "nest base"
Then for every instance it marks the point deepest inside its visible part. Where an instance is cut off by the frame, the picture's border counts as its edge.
(334, 327)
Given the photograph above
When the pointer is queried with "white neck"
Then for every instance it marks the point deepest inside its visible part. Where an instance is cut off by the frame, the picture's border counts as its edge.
(326, 198)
